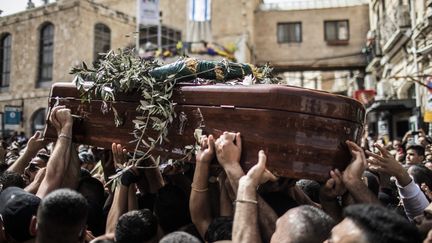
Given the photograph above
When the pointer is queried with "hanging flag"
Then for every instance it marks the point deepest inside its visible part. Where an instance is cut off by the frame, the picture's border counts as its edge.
(148, 12)
(200, 10)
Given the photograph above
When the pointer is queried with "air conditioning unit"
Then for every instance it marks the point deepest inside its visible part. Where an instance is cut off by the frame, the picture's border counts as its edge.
(384, 90)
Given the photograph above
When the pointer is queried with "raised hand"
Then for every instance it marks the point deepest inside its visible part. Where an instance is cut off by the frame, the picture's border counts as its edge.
(119, 154)
(258, 174)
(36, 143)
(358, 165)
(61, 118)
(207, 151)
(334, 186)
(387, 164)
(228, 148)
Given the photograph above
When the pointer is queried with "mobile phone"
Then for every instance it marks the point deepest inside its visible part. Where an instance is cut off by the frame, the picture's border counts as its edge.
(415, 132)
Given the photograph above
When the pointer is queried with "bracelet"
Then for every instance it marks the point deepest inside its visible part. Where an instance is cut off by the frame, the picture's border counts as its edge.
(246, 201)
(64, 136)
(199, 190)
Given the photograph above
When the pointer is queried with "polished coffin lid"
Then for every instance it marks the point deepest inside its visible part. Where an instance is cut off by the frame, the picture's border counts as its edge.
(302, 131)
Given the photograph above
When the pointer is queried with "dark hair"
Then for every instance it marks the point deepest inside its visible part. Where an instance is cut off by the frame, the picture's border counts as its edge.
(172, 208)
(11, 178)
(372, 182)
(219, 229)
(308, 219)
(86, 157)
(61, 216)
(380, 224)
(420, 150)
(179, 237)
(310, 188)
(103, 241)
(43, 156)
(136, 226)
(421, 174)
(92, 190)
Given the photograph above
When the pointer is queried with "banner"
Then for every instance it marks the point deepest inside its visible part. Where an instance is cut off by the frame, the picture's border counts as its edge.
(148, 12)
(12, 117)
(428, 109)
(200, 10)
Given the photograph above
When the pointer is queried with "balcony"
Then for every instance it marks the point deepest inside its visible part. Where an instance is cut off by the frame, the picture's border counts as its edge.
(394, 26)
(372, 50)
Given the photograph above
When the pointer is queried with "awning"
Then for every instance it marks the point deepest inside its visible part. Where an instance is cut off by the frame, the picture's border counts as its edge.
(385, 105)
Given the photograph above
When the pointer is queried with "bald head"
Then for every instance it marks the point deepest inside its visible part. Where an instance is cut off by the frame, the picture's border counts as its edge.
(297, 224)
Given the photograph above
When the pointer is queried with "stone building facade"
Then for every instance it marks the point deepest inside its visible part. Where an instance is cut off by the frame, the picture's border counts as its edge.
(313, 45)
(71, 41)
(399, 52)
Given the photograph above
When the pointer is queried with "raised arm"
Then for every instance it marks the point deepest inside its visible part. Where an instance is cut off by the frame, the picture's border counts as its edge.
(414, 200)
(352, 176)
(72, 175)
(245, 226)
(34, 144)
(121, 194)
(59, 160)
(199, 203)
(228, 152)
(226, 203)
(329, 194)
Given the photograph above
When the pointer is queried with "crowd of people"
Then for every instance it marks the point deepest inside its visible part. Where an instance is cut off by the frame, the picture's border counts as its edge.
(65, 192)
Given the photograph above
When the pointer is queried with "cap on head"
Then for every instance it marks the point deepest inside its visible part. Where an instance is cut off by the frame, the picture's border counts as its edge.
(17, 208)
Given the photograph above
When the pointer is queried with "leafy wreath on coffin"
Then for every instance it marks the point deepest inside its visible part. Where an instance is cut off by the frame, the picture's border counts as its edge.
(123, 72)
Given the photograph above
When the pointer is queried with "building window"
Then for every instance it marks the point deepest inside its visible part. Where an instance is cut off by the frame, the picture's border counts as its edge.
(289, 32)
(169, 37)
(5, 66)
(102, 40)
(46, 49)
(336, 32)
(38, 120)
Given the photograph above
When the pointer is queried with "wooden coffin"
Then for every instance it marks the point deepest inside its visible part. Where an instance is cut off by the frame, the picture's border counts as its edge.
(303, 132)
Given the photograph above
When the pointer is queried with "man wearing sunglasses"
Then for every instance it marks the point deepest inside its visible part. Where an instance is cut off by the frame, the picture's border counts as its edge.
(38, 162)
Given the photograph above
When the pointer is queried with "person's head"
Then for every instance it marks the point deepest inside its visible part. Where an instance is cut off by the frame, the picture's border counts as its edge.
(310, 188)
(367, 223)
(61, 217)
(17, 208)
(421, 174)
(37, 163)
(87, 160)
(428, 154)
(10, 178)
(428, 165)
(138, 226)
(179, 237)
(400, 156)
(93, 191)
(396, 144)
(219, 229)
(297, 224)
(424, 140)
(172, 208)
(372, 182)
(414, 154)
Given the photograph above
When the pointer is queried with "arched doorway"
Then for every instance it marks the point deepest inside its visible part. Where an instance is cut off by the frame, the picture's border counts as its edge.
(38, 120)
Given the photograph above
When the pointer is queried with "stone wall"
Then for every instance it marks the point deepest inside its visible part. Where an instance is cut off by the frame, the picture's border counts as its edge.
(313, 51)
(74, 23)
